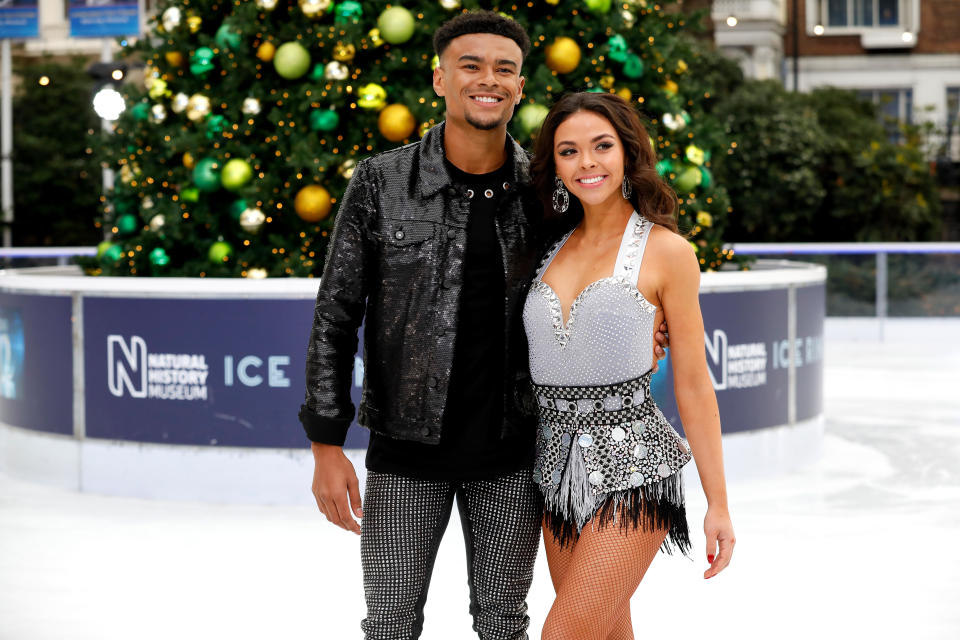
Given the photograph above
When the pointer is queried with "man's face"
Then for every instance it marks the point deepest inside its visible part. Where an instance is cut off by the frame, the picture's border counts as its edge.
(479, 78)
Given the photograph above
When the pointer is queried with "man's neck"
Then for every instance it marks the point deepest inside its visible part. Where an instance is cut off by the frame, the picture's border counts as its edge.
(473, 150)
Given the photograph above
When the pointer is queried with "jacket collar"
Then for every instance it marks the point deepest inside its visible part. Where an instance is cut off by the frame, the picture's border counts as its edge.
(433, 171)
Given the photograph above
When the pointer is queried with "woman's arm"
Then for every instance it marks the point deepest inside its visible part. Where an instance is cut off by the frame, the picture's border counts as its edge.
(696, 400)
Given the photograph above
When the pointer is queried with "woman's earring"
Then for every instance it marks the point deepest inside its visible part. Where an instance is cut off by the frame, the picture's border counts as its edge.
(626, 188)
(561, 199)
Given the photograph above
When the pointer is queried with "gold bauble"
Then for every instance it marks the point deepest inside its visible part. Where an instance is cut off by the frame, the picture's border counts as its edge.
(179, 102)
(344, 52)
(266, 51)
(682, 66)
(563, 55)
(396, 123)
(267, 5)
(346, 169)
(256, 273)
(424, 127)
(434, 62)
(174, 58)
(607, 82)
(372, 96)
(336, 71)
(625, 93)
(194, 22)
(450, 5)
(553, 2)
(312, 203)
(188, 160)
(670, 88)
(314, 9)
(198, 107)
(375, 39)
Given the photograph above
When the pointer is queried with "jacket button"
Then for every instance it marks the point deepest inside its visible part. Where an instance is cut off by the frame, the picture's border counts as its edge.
(446, 284)
(451, 234)
(432, 382)
(425, 431)
(399, 234)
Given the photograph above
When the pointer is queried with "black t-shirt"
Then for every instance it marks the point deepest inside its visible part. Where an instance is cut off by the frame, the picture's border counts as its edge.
(470, 445)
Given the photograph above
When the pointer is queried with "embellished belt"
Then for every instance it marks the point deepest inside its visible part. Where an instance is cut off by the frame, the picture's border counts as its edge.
(564, 403)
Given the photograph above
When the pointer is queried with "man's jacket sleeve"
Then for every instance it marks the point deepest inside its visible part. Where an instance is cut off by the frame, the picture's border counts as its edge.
(341, 299)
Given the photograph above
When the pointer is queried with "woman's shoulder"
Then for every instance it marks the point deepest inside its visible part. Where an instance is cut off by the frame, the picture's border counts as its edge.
(671, 250)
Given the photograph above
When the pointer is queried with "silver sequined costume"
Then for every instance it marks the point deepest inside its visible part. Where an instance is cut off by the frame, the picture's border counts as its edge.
(604, 449)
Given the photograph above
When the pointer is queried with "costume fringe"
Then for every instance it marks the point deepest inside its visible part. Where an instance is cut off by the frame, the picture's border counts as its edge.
(658, 505)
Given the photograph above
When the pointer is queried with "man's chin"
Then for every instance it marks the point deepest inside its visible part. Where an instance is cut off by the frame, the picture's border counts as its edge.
(485, 125)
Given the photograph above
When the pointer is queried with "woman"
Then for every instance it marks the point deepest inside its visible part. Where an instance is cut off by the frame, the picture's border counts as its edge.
(608, 463)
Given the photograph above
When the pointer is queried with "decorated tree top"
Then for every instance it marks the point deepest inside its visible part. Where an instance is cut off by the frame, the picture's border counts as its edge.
(232, 157)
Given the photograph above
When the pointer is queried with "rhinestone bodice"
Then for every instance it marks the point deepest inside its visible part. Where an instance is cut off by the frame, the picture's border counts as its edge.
(608, 337)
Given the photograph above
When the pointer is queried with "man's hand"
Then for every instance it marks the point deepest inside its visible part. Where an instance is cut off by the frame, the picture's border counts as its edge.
(661, 342)
(333, 481)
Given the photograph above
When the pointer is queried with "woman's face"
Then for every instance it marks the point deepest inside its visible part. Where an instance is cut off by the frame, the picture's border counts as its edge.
(588, 155)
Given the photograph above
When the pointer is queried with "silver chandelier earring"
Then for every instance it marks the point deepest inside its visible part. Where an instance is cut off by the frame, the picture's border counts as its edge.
(561, 199)
(626, 188)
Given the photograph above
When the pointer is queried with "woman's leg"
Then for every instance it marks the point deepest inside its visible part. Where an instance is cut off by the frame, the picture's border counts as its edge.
(595, 579)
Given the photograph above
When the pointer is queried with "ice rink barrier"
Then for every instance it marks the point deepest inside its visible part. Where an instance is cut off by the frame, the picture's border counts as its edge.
(188, 388)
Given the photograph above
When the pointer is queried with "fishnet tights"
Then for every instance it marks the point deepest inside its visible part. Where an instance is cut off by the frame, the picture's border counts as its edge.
(594, 578)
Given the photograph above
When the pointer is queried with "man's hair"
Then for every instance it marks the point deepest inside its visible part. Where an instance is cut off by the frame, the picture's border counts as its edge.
(480, 22)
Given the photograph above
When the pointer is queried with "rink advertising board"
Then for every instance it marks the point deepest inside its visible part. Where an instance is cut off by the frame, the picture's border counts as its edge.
(748, 357)
(199, 372)
(103, 18)
(36, 362)
(19, 19)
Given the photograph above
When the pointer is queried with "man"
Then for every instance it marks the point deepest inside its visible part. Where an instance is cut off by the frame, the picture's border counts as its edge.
(436, 242)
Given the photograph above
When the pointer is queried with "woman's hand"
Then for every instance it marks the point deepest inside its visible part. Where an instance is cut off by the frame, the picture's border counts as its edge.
(719, 531)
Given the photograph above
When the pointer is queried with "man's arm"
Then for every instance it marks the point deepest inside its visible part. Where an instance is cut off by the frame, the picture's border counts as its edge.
(341, 298)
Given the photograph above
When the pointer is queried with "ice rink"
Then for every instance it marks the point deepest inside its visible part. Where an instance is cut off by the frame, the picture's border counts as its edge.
(865, 544)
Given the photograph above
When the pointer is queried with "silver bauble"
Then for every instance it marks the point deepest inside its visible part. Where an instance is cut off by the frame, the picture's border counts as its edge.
(158, 113)
(267, 5)
(171, 18)
(346, 169)
(198, 107)
(157, 222)
(179, 102)
(450, 5)
(146, 204)
(251, 106)
(256, 273)
(252, 220)
(336, 71)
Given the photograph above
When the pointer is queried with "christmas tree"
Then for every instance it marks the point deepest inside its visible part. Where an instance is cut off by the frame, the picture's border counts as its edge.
(232, 157)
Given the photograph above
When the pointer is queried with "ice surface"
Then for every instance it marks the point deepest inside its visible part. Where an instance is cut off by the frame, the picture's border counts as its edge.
(862, 545)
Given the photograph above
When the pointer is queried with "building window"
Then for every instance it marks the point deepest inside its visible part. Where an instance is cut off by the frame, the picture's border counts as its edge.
(953, 121)
(861, 13)
(895, 108)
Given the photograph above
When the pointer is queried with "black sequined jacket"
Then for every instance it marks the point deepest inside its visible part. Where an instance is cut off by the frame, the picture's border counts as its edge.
(396, 256)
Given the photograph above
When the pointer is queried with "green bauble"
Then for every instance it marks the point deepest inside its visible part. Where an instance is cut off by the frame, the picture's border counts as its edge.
(159, 257)
(102, 248)
(633, 66)
(111, 254)
(688, 180)
(218, 251)
(236, 173)
(348, 11)
(531, 116)
(317, 73)
(201, 61)
(140, 111)
(237, 207)
(205, 175)
(324, 120)
(125, 206)
(291, 60)
(227, 37)
(597, 6)
(396, 25)
(190, 194)
(664, 167)
(706, 178)
(127, 224)
(618, 48)
(215, 126)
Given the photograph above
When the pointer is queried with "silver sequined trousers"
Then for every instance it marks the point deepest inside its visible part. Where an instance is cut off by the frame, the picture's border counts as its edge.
(404, 520)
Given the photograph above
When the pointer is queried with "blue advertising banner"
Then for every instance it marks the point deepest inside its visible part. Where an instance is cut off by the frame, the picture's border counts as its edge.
(744, 335)
(36, 362)
(811, 310)
(103, 18)
(201, 372)
(19, 19)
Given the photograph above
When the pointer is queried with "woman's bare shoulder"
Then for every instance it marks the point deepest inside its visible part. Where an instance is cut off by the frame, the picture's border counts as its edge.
(668, 247)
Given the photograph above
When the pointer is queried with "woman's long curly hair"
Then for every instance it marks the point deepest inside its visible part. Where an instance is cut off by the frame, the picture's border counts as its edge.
(652, 197)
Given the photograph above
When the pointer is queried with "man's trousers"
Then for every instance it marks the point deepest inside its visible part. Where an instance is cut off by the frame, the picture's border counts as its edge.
(403, 522)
